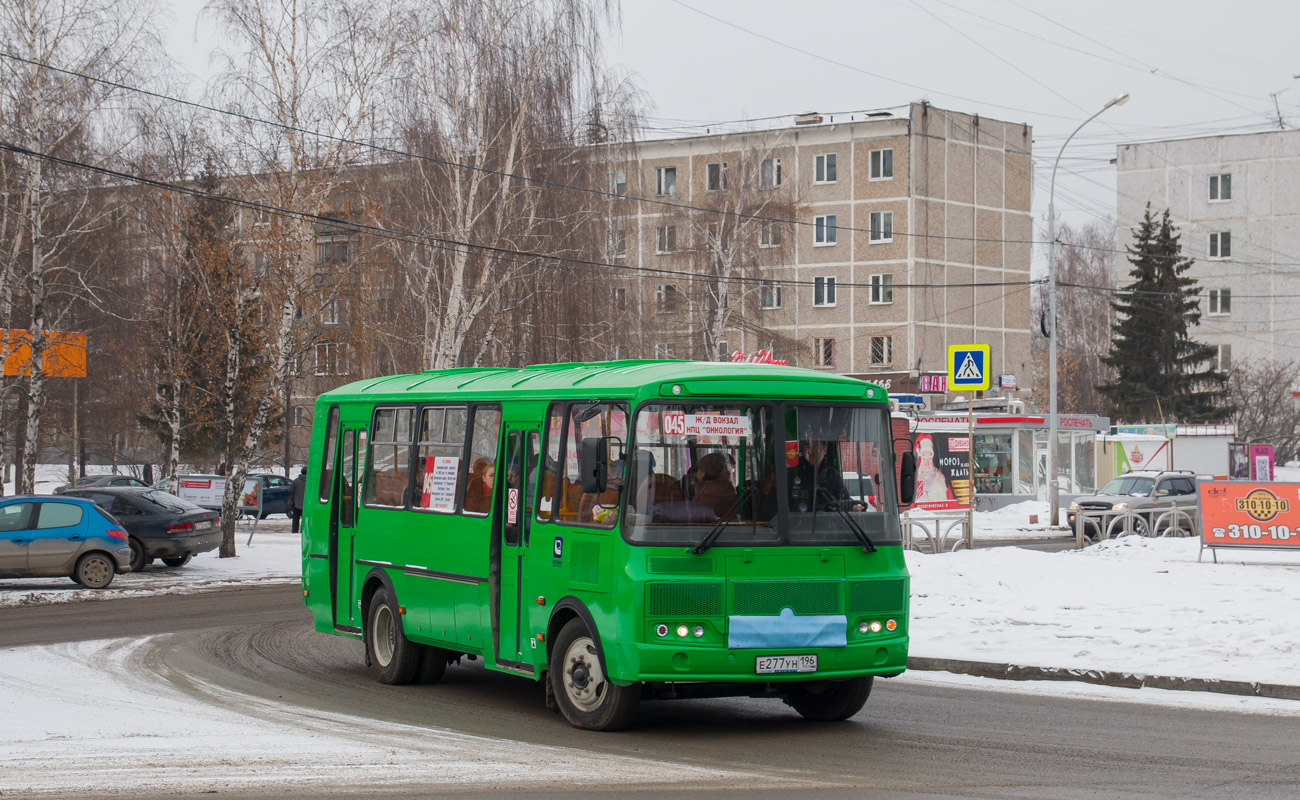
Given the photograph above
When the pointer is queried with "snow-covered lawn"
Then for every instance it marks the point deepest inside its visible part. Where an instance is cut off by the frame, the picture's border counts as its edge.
(1132, 604)
(275, 556)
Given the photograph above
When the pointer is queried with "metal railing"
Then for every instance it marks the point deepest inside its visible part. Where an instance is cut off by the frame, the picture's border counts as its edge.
(1173, 521)
(936, 528)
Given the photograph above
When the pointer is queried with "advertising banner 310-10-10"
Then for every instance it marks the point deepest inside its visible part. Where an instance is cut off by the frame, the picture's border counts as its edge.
(1240, 514)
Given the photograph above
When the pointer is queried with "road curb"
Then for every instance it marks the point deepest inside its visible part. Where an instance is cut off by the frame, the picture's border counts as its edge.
(1101, 677)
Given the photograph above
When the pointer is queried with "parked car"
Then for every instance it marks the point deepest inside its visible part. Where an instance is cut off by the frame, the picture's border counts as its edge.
(1149, 494)
(44, 536)
(160, 525)
(101, 480)
(277, 490)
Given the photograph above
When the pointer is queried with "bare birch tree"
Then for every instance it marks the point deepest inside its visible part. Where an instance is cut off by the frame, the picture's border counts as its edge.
(491, 91)
(308, 67)
(55, 114)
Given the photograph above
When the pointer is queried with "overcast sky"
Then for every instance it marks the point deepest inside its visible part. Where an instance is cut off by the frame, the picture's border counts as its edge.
(1193, 67)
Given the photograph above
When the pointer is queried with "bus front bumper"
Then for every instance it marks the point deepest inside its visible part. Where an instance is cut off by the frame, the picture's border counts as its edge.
(669, 662)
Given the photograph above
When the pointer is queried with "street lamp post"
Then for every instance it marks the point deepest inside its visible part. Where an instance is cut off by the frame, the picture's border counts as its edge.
(1052, 423)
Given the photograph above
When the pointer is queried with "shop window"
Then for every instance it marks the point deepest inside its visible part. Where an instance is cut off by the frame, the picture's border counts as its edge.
(993, 463)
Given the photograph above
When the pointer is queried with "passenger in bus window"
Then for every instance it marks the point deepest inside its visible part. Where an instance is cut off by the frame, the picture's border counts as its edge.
(478, 496)
(713, 486)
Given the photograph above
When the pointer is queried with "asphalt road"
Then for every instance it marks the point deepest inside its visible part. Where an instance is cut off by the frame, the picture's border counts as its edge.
(912, 740)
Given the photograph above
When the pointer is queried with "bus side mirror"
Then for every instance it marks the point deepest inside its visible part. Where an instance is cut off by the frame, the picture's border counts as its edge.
(907, 479)
(594, 464)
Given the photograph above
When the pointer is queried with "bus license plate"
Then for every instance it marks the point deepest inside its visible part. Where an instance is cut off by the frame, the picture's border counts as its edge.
(770, 664)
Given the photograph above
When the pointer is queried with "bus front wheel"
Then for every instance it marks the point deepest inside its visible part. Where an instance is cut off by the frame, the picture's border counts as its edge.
(394, 659)
(830, 701)
(587, 698)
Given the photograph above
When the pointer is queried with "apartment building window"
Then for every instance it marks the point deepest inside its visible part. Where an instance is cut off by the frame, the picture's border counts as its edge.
(1223, 358)
(259, 265)
(769, 173)
(329, 314)
(712, 235)
(715, 177)
(769, 293)
(823, 291)
(769, 235)
(824, 168)
(331, 251)
(882, 227)
(1220, 301)
(666, 295)
(824, 231)
(665, 350)
(824, 352)
(667, 239)
(331, 358)
(1220, 187)
(1220, 244)
(618, 243)
(618, 182)
(882, 288)
(882, 350)
(882, 164)
(666, 181)
(261, 216)
(619, 298)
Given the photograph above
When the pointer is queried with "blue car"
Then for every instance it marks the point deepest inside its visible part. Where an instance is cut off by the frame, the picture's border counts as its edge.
(44, 536)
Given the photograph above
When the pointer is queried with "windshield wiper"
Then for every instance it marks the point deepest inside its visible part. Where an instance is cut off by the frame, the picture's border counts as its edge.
(868, 546)
(718, 526)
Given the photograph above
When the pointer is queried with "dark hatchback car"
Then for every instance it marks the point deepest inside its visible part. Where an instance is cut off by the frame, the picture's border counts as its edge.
(276, 491)
(101, 480)
(161, 525)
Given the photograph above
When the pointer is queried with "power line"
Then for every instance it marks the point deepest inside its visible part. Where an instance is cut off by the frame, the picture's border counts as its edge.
(445, 242)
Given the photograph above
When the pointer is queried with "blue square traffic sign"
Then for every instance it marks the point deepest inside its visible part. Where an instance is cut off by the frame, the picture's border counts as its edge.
(968, 366)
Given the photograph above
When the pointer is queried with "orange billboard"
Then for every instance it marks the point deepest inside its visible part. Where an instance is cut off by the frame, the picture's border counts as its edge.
(1250, 514)
(64, 357)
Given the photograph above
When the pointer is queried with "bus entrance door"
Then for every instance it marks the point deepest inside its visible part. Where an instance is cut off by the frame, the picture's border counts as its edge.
(511, 610)
(352, 449)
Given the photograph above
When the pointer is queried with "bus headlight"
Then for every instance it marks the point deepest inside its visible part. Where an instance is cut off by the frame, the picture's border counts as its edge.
(875, 626)
(863, 627)
(699, 631)
(662, 629)
(682, 630)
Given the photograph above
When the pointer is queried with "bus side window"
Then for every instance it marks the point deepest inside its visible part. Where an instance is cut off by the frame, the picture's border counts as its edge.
(441, 448)
(327, 459)
(390, 460)
(482, 459)
(602, 421)
(533, 456)
(551, 463)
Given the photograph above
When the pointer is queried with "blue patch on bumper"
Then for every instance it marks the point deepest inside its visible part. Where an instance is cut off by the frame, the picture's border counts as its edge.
(787, 630)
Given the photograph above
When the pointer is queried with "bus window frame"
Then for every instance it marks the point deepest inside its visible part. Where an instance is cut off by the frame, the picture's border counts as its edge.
(329, 458)
(561, 457)
(370, 456)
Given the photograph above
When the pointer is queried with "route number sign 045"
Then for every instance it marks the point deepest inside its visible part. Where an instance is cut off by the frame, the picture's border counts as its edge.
(1250, 514)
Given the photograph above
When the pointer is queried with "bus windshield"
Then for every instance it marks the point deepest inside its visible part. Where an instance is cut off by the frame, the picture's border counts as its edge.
(814, 477)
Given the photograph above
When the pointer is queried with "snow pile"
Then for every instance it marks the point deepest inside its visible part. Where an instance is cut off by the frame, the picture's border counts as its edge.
(113, 724)
(275, 556)
(1132, 605)
(1287, 474)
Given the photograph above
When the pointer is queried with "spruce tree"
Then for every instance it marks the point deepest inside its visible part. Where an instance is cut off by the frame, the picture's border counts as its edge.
(1161, 372)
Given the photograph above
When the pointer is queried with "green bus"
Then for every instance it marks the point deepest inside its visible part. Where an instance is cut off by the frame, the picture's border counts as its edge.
(619, 530)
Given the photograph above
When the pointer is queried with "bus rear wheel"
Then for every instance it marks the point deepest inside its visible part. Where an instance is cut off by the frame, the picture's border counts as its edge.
(585, 695)
(830, 701)
(394, 659)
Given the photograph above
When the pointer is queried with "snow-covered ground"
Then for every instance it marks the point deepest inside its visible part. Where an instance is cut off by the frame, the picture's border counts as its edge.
(275, 556)
(97, 719)
(1131, 604)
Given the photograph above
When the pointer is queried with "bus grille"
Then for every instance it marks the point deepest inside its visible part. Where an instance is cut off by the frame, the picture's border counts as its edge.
(684, 599)
(768, 598)
(880, 595)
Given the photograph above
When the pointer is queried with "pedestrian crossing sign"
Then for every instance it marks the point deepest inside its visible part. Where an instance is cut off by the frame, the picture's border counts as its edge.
(968, 367)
